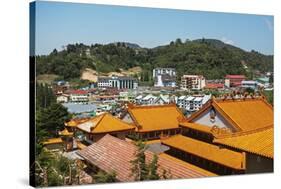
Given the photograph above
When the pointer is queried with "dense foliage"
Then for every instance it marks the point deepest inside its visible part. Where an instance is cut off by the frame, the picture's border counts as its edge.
(209, 57)
(50, 116)
(56, 170)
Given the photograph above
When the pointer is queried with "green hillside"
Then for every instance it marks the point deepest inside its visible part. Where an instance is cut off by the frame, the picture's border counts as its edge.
(209, 57)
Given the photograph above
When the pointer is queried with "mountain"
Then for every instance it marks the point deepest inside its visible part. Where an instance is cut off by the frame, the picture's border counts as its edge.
(209, 57)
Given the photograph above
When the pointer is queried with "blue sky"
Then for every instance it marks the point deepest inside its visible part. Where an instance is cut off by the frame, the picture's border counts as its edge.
(59, 24)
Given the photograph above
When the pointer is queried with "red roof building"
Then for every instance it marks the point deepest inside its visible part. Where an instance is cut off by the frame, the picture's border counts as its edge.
(234, 80)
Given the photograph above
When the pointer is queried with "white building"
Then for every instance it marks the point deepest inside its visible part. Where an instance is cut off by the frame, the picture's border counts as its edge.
(193, 82)
(148, 99)
(79, 96)
(192, 103)
(118, 82)
(63, 98)
(249, 84)
(164, 77)
(163, 71)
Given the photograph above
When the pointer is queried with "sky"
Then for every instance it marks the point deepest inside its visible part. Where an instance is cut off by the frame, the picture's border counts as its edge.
(59, 24)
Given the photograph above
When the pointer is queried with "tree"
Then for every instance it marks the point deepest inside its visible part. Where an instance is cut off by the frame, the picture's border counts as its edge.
(103, 177)
(178, 41)
(152, 169)
(55, 170)
(50, 120)
(139, 167)
(141, 170)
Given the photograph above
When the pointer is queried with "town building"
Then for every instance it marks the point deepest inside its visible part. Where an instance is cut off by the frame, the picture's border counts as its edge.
(234, 80)
(113, 154)
(214, 86)
(120, 82)
(193, 82)
(246, 84)
(78, 96)
(192, 103)
(152, 122)
(96, 127)
(164, 77)
(63, 98)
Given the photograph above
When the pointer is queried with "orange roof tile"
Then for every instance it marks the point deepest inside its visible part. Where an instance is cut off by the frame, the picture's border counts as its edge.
(154, 118)
(247, 114)
(65, 132)
(75, 122)
(244, 115)
(53, 141)
(187, 165)
(207, 151)
(104, 123)
(196, 126)
(259, 141)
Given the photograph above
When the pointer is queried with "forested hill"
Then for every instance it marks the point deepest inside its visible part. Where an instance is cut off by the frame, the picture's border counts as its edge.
(209, 57)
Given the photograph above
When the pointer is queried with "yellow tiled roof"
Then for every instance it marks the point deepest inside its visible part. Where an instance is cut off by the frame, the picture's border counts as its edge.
(65, 132)
(155, 118)
(196, 126)
(258, 142)
(207, 151)
(75, 122)
(247, 114)
(104, 123)
(53, 141)
(188, 165)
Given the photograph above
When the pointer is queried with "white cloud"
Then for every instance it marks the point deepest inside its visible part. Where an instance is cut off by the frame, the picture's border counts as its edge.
(227, 41)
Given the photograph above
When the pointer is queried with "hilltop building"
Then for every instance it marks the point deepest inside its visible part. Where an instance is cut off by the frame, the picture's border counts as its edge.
(193, 82)
(120, 82)
(164, 77)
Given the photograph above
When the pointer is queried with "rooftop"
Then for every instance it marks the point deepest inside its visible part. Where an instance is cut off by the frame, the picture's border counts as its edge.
(248, 114)
(113, 154)
(243, 114)
(104, 123)
(235, 77)
(196, 126)
(207, 151)
(53, 141)
(258, 142)
(155, 118)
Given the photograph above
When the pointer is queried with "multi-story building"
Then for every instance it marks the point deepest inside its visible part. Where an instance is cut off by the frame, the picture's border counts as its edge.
(164, 77)
(79, 96)
(121, 82)
(249, 84)
(193, 82)
(192, 103)
(233, 80)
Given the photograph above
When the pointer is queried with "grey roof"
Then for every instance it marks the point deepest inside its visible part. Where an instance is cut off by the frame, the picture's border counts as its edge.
(79, 108)
(157, 148)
